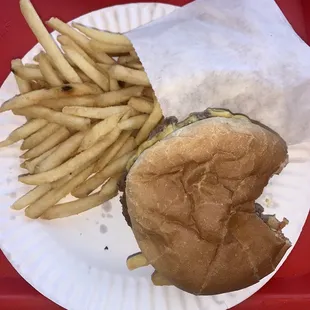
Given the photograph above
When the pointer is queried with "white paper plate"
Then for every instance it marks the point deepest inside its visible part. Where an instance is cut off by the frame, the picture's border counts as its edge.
(66, 259)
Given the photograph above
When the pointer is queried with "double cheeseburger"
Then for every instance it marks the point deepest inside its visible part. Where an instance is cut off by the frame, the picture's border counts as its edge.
(189, 197)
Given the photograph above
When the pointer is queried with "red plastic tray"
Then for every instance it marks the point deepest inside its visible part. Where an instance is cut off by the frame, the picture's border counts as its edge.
(289, 289)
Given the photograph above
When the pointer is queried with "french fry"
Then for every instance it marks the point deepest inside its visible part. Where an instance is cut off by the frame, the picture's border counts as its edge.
(72, 164)
(122, 60)
(150, 124)
(94, 74)
(35, 66)
(83, 76)
(129, 75)
(118, 96)
(113, 151)
(31, 164)
(115, 167)
(104, 36)
(28, 74)
(47, 41)
(130, 145)
(102, 57)
(23, 85)
(48, 71)
(57, 137)
(31, 197)
(65, 40)
(133, 53)
(23, 131)
(76, 207)
(98, 131)
(142, 105)
(148, 92)
(64, 151)
(70, 121)
(135, 122)
(53, 196)
(39, 136)
(103, 66)
(38, 84)
(109, 48)
(111, 186)
(113, 83)
(136, 261)
(34, 97)
(134, 65)
(59, 104)
(96, 113)
(64, 180)
(79, 39)
(108, 191)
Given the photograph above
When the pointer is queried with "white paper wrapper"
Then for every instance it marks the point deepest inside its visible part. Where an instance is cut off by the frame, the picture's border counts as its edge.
(241, 55)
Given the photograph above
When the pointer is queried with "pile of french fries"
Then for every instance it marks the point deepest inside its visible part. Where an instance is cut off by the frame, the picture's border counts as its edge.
(88, 106)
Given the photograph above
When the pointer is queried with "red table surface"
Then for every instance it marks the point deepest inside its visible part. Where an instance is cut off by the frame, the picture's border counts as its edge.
(290, 288)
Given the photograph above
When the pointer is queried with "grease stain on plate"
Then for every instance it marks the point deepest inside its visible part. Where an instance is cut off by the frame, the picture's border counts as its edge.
(103, 229)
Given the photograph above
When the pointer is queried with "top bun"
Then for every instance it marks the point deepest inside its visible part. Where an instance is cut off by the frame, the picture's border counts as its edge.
(191, 201)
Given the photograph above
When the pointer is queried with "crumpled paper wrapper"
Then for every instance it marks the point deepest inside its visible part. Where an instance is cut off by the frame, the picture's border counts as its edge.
(240, 55)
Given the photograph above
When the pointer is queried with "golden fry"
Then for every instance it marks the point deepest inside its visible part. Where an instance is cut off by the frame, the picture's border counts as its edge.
(42, 134)
(142, 105)
(65, 40)
(113, 151)
(83, 76)
(96, 113)
(76, 207)
(31, 164)
(47, 41)
(148, 92)
(23, 85)
(64, 151)
(108, 191)
(130, 145)
(136, 261)
(132, 76)
(122, 60)
(113, 83)
(109, 48)
(28, 74)
(52, 197)
(115, 167)
(59, 104)
(34, 97)
(98, 131)
(153, 120)
(103, 66)
(134, 65)
(48, 72)
(37, 85)
(23, 131)
(70, 121)
(94, 74)
(135, 122)
(72, 164)
(79, 39)
(57, 137)
(118, 96)
(31, 197)
(103, 36)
